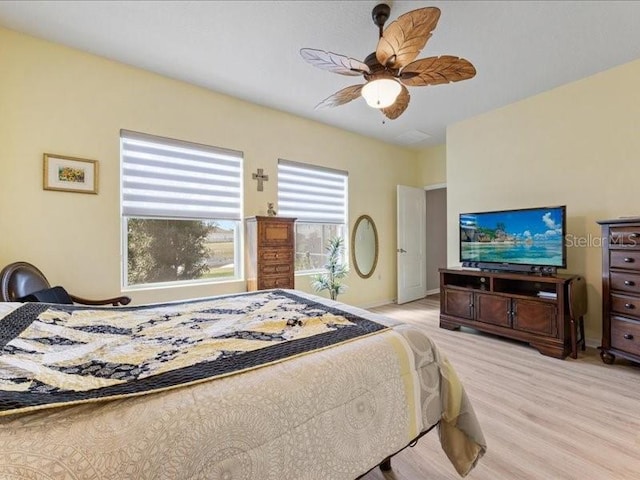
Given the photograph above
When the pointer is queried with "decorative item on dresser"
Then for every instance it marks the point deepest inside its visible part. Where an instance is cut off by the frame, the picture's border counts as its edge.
(620, 289)
(270, 252)
(529, 308)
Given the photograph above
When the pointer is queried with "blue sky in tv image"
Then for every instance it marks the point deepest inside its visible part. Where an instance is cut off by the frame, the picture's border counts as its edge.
(531, 236)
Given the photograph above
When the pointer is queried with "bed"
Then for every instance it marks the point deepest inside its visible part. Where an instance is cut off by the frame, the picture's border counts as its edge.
(275, 384)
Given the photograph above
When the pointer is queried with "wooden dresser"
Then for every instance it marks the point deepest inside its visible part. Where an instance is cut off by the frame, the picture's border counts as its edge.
(270, 252)
(620, 289)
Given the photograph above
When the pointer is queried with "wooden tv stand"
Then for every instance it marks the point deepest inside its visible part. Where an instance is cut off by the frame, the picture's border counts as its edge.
(508, 304)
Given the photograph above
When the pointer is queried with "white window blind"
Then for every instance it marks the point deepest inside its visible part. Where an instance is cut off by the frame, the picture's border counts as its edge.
(169, 178)
(312, 194)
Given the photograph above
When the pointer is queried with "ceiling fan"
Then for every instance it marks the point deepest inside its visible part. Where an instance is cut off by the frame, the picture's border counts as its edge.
(391, 68)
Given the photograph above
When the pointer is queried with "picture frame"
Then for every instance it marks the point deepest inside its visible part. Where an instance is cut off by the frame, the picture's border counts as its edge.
(70, 174)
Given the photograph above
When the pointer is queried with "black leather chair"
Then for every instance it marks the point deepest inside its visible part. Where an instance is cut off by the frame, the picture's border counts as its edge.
(19, 279)
(577, 311)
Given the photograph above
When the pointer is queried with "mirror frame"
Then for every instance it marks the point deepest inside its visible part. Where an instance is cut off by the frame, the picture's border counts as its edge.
(360, 219)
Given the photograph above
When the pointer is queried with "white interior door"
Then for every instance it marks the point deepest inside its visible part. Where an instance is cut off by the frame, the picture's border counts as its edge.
(412, 243)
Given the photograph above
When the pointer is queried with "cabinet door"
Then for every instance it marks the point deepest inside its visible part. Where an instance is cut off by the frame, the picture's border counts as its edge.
(274, 233)
(493, 309)
(535, 317)
(458, 303)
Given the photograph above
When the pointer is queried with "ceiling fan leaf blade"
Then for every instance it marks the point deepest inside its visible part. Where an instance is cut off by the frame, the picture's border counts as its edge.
(399, 106)
(437, 71)
(341, 97)
(404, 38)
(334, 62)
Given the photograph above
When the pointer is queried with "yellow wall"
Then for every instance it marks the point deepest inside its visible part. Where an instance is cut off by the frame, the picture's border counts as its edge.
(57, 100)
(432, 165)
(577, 145)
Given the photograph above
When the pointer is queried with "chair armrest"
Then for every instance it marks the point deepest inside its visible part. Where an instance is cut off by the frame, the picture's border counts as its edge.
(124, 300)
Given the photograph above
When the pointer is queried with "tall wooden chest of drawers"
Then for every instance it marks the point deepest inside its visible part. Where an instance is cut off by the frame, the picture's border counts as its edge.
(620, 289)
(270, 252)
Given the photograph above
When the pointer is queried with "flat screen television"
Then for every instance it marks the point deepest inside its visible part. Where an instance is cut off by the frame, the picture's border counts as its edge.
(528, 239)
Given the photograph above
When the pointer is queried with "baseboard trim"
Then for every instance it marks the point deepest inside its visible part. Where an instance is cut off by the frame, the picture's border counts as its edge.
(592, 342)
(379, 303)
(433, 292)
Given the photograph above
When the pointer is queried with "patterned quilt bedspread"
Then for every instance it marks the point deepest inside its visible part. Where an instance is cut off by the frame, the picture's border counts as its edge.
(61, 354)
(265, 385)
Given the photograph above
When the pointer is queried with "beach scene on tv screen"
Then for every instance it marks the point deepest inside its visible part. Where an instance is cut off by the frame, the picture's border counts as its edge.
(532, 237)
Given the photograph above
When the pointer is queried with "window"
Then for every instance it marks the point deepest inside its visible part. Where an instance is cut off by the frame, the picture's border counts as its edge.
(317, 197)
(181, 211)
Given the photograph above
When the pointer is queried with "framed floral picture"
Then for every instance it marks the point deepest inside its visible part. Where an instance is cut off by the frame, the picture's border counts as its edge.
(69, 174)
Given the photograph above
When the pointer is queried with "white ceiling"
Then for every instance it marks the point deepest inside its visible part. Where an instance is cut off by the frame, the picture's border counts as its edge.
(249, 49)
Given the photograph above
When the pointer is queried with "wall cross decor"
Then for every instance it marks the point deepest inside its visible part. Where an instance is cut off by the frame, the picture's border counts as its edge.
(260, 177)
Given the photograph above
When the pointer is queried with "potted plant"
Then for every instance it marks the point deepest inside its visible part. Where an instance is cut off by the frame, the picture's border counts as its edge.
(335, 271)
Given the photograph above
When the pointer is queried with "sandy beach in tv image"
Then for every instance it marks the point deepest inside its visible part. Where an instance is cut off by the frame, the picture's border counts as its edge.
(520, 236)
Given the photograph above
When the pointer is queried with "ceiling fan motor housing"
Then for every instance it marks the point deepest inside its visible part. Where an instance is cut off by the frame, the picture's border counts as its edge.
(376, 69)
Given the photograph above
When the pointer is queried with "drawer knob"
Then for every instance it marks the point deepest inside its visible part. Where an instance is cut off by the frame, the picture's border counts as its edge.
(634, 235)
(629, 283)
(630, 306)
(628, 260)
(628, 336)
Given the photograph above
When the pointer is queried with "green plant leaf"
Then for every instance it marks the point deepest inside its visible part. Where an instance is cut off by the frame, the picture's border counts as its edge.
(334, 270)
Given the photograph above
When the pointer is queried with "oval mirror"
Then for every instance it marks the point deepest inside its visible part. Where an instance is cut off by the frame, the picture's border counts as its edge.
(364, 246)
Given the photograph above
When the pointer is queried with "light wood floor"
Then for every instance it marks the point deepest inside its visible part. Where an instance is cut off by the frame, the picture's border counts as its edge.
(543, 418)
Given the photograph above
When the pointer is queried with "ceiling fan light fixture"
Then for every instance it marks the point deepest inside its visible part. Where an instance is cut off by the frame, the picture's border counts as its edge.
(381, 93)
